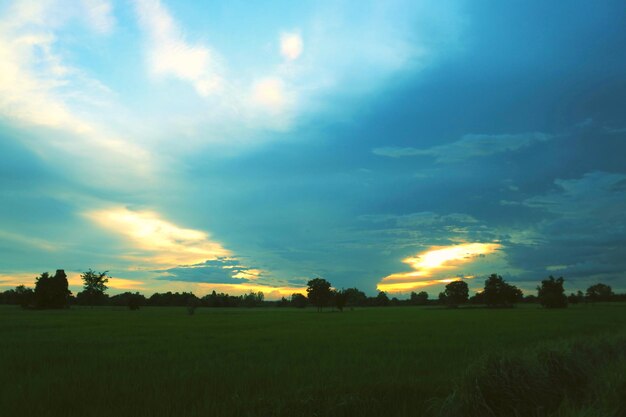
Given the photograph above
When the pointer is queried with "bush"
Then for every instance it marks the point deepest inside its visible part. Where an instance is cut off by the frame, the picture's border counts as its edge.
(536, 383)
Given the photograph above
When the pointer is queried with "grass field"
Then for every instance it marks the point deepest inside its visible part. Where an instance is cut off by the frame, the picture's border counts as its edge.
(262, 362)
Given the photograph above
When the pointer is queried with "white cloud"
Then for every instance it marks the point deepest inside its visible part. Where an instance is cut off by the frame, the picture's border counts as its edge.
(38, 89)
(99, 14)
(169, 54)
(291, 45)
(469, 146)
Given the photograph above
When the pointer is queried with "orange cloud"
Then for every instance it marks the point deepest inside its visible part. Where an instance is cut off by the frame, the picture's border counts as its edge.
(429, 266)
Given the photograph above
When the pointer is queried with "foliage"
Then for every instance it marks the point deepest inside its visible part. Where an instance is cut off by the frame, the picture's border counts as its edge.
(298, 300)
(381, 299)
(498, 293)
(551, 293)
(419, 299)
(94, 288)
(340, 298)
(319, 293)
(534, 383)
(355, 297)
(600, 292)
(456, 293)
(52, 292)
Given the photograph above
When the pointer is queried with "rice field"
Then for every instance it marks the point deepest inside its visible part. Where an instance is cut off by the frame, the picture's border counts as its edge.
(396, 361)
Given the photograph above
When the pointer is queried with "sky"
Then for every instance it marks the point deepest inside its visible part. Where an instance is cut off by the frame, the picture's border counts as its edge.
(252, 146)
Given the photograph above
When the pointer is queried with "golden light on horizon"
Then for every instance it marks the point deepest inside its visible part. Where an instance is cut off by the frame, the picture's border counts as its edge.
(163, 244)
(436, 260)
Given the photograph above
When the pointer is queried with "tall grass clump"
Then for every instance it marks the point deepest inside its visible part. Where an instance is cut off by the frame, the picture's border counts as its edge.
(535, 383)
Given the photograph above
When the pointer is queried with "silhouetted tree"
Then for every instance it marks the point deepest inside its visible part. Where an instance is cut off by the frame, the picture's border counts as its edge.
(355, 298)
(576, 298)
(52, 292)
(551, 293)
(94, 288)
(128, 299)
(319, 293)
(340, 298)
(253, 299)
(298, 300)
(381, 299)
(456, 293)
(477, 298)
(418, 299)
(498, 293)
(599, 292)
(24, 296)
(283, 302)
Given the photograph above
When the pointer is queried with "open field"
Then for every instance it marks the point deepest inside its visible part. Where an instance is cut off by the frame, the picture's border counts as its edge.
(262, 362)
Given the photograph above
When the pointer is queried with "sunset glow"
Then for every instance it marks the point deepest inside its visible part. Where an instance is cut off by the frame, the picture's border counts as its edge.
(435, 262)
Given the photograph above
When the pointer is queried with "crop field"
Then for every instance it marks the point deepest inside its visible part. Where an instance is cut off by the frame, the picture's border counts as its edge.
(264, 362)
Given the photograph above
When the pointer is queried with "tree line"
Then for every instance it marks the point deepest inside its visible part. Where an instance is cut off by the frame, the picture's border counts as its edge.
(52, 292)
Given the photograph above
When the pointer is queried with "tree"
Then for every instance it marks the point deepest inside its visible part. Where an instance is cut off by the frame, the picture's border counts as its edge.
(355, 297)
(600, 292)
(420, 298)
(551, 293)
(52, 292)
(298, 300)
(340, 298)
(24, 296)
(94, 287)
(381, 299)
(456, 293)
(319, 293)
(498, 293)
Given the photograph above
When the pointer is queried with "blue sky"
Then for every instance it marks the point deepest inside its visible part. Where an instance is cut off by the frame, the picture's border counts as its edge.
(244, 147)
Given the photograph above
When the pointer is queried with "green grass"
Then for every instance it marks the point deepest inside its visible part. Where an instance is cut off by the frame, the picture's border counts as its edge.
(262, 362)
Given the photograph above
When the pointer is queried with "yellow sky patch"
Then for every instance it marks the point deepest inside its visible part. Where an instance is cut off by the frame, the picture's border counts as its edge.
(428, 266)
(164, 245)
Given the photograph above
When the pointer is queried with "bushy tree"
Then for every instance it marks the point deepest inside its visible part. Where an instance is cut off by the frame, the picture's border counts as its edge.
(498, 293)
(319, 293)
(355, 297)
(52, 292)
(551, 293)
(456, 293)
(298, 300)
(600, 292)
(24, 296)
(340, 298)
(420, 298)
(381, 299)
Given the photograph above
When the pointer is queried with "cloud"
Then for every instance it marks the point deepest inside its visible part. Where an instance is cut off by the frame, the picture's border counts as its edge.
(221, 270)
(581, 231)
(291, 45)
(469, 146)
(99, 15)
(157, 242)
(429, 266)
(39, 90)
(169, 54)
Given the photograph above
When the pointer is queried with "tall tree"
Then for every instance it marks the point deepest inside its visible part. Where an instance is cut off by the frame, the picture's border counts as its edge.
(52, 292)
(94, 287)
(319, 293)
(551, 293)
(456, 293)
(498, 293)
